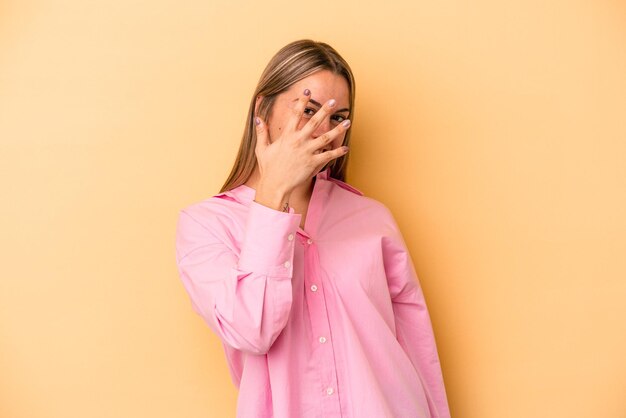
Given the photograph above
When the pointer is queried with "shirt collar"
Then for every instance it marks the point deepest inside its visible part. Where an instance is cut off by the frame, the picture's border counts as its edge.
(245, 194)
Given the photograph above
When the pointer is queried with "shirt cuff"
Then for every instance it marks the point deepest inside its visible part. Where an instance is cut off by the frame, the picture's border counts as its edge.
(268, 247)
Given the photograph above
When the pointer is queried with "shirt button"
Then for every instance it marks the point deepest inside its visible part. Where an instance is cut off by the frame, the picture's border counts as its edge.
(287, 264)
(309, 241)
(330, 391)
(322, 340)
(313, 288)
(290, 237)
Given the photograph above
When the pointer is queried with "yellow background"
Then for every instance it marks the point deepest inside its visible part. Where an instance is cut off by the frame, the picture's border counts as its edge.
(495, 131)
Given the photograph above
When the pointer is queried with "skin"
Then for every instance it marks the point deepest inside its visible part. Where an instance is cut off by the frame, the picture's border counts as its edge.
(299, 139)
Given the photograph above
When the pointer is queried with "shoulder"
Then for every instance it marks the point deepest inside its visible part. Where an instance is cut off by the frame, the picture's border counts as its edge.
(354, 199)
(218, 209)
(216, 219)
(210, 223)
(206, 211)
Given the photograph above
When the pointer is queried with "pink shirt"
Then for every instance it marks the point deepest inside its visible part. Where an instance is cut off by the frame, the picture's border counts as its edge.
(325, 321)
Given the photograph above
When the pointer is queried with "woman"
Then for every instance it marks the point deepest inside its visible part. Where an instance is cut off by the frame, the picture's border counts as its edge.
(308, 283)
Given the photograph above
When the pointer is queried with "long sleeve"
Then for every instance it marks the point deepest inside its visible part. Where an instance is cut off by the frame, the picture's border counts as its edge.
(242, 291)
(413, 326)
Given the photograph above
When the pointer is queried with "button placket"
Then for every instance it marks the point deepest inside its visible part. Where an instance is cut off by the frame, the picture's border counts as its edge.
(323, 352)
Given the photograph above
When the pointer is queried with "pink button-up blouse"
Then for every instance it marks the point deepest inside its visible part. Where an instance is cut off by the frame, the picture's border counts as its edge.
(325, 321)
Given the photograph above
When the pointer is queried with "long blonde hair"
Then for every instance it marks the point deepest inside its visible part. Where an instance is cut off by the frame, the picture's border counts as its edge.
(291, 64)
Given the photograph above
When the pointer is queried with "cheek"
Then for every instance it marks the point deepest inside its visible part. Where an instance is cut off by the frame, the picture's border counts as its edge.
(275, 132)
(302, 123)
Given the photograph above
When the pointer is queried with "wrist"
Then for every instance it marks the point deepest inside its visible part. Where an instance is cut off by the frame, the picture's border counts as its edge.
(272, 197)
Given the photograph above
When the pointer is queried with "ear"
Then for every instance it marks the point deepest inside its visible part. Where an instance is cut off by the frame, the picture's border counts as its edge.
(259, 99)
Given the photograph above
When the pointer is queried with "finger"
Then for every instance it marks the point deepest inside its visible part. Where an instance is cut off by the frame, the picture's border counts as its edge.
(298, 110)
(326, 157)
(262, 136)
(319, 116)
(328, 137)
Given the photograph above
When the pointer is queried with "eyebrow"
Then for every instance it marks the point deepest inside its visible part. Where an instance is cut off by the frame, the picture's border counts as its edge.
(318, 104)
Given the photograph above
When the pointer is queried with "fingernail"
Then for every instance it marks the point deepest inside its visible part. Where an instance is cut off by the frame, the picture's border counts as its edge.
(345, 149)
(346, 123)
(331, 103)
(307, 92)
(257, 121)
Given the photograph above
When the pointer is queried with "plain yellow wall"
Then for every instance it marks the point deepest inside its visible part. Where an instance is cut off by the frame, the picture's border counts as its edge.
(494, 131)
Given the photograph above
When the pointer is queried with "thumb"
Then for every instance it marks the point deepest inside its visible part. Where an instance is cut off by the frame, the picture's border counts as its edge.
(262, 137)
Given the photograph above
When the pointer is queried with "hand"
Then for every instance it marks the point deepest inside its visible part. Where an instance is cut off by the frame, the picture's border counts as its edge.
(294, 156)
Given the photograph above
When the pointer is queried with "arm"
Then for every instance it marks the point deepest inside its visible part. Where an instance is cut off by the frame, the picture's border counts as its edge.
(413, 327)
(245, 298)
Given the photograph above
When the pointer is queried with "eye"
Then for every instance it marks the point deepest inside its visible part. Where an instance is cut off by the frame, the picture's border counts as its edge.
(338, 118)
(309, 111)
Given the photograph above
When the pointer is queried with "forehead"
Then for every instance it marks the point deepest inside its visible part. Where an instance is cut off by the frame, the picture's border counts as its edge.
(324, 85)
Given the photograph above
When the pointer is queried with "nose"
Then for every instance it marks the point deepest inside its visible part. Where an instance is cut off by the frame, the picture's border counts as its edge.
(323, 127)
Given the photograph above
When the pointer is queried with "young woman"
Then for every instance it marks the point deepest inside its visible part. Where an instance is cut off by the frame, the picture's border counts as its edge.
(307, 282)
